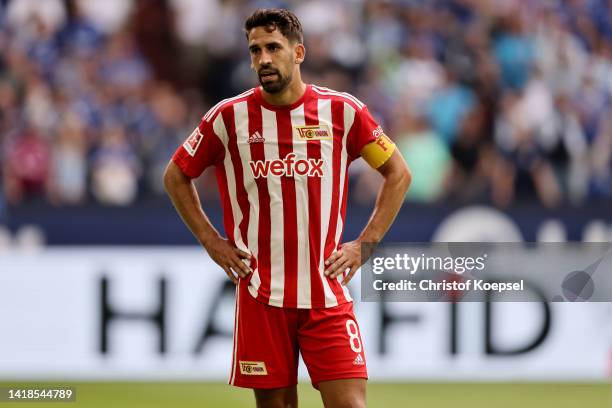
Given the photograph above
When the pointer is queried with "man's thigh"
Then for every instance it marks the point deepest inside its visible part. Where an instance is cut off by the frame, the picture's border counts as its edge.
(277, 397)
(265, 344)
(343, 393)
(330, 343)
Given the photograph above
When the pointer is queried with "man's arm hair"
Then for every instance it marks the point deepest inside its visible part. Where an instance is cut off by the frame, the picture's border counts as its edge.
(185, 199)
(396, 180)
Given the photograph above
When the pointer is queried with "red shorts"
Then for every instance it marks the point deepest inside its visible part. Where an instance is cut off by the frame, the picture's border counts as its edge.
(268, 340)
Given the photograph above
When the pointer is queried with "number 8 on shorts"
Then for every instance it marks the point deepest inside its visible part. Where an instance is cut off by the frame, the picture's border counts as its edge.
(353, 332)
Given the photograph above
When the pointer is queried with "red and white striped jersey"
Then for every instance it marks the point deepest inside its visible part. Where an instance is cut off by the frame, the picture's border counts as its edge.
(282, 175)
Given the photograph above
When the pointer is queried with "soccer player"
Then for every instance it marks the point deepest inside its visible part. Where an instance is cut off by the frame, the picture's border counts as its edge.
(281, 153)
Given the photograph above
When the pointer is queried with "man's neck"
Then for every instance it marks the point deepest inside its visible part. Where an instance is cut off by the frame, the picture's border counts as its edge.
(288, 96)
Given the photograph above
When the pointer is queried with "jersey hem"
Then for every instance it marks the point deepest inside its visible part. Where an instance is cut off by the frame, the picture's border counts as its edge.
(279, 304)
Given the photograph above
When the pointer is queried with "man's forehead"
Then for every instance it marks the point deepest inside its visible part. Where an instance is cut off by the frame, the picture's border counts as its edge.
(265, 35)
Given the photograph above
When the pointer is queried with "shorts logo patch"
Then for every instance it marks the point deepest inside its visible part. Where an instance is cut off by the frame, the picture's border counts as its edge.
(193, 142)
(358, 360)
(316, 132)
(253, 368)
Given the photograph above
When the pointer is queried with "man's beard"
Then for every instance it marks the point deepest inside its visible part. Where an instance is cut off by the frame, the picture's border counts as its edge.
(276, 86)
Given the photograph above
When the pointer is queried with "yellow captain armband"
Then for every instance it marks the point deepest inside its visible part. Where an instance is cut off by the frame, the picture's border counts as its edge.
(378, 152)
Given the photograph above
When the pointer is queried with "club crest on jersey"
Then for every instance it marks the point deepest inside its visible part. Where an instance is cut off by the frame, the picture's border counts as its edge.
(314, 132)
(253, 368)
(193, 142)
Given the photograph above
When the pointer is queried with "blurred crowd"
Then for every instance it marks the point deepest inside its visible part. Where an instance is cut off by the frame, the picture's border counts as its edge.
(488, 100)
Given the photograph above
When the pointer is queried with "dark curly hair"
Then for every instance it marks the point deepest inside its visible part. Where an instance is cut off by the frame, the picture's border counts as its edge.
(274, 18)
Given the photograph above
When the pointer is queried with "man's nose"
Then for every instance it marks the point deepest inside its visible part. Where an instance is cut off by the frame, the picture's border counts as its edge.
(265, 58)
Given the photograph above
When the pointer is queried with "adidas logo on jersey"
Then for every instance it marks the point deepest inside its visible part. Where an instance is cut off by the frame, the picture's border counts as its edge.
(358, 360)
(288, 166)
(256, 138)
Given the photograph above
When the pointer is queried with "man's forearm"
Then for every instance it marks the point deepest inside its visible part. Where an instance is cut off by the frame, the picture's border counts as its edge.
(185, 199)
(389, 201)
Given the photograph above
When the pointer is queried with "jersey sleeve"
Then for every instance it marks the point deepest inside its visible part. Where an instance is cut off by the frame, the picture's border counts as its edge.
(367, 138)
(202, 149)
(361, 133)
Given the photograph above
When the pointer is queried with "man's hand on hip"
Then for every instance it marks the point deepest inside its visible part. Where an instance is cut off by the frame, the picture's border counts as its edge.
(228, 257)
(347, 257)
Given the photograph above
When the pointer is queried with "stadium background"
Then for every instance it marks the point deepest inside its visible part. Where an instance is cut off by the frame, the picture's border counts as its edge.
(501, 108)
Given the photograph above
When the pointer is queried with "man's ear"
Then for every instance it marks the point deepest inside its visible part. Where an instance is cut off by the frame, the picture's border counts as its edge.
(300, 53)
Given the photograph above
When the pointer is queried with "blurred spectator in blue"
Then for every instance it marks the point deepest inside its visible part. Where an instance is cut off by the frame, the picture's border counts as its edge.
(40, 45)
(600, 184)
(70, 161)
(171, 119)
(79, 35)
(513, 49)
(122, 66)
(448, 107)
(115, 168)
(384, 31)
